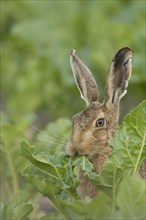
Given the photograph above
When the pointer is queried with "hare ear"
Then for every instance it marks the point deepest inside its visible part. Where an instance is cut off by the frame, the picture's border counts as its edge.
(119, 75)
(84, 79)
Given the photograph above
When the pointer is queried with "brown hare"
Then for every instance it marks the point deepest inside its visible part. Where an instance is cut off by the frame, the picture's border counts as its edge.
(94, 126)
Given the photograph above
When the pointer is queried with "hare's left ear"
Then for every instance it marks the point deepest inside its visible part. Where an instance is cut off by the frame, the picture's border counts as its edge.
(119, 75)
(84, 79)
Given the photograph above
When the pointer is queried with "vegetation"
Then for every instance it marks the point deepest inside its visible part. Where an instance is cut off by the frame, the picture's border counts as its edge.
(39, 96)
(121, 191)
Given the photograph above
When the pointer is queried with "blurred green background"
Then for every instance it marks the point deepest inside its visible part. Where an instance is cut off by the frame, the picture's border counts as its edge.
(37, 84)
(37, 37)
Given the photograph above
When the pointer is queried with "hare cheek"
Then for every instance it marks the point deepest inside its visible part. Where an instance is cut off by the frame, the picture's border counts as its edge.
(100, 136)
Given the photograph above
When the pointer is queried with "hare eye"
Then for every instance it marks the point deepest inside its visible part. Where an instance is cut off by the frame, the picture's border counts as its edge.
(100, 122)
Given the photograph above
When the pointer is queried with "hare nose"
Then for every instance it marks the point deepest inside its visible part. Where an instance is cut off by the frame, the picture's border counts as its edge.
(70, 150)
(75, 152)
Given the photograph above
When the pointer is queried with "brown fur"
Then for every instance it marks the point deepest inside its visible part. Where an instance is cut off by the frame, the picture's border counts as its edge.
(87, 138)
(91, 141)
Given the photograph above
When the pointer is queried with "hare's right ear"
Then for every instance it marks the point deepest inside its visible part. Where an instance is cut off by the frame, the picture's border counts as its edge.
(118, 77)
(84, 79)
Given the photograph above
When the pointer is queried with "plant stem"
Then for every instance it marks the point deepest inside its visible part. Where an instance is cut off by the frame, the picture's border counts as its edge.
(139, 156)
(113, 204)
(12, 169)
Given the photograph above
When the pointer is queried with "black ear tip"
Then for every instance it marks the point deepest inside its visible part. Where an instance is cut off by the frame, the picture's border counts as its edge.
(123, 53)
(125, 50)
(128, 50)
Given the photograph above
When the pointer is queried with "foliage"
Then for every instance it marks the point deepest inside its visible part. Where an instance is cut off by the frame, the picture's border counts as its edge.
(130, 141)
(36, 42)
(11, 163)
(121, 191)
(17, 207)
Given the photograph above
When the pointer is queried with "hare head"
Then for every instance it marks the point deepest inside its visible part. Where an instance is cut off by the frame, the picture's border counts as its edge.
(95, 125)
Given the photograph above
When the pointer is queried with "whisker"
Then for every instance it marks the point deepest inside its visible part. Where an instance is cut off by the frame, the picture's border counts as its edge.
(51, 143)
(54, 138)
(51, 139)
(58, 137)
(55, 142)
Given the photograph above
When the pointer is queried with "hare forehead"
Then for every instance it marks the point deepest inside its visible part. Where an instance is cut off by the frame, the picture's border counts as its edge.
(90, 114)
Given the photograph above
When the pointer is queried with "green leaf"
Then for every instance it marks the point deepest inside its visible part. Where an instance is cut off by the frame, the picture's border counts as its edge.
(42, 161)
(11, 136)
(108, 180)
(129, 143)
(17, 208)
(20, 197)
(84, 164)
(110, 175)
(131, 199)
(44, 183)
(21, 212)
(96, 208)
(49, 172)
